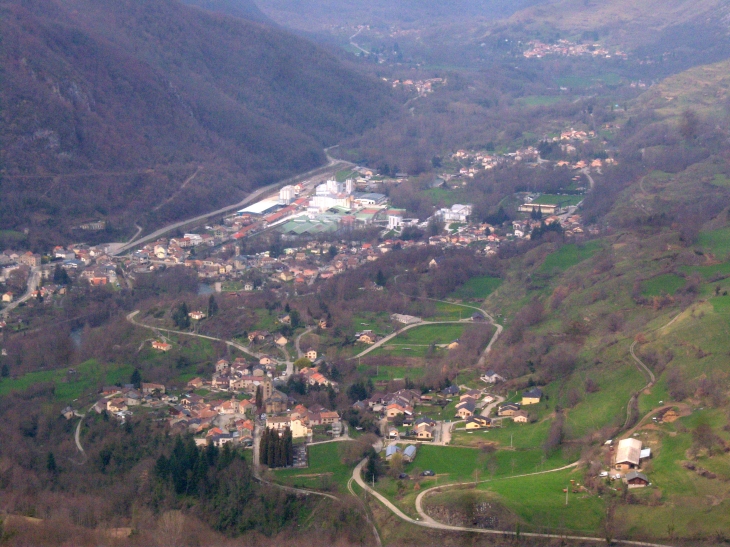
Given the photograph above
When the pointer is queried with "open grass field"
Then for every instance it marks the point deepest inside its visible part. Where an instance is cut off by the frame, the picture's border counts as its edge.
(539, 501)
(457, 464)
(662, 284)
(443, 196)
(540, 100)
(428, 334)
(716, 242)
(562, 201)
(406, 350)
(89, 376)
(450, 312)
(342, 176)
(325, 470)
(568, 256)
(521, 436)
(477, 288)
(382, 373)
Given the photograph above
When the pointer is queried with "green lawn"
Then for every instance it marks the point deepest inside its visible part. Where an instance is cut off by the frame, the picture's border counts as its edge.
(342, 176)
(90, 375)
(520, 436)
(662, 284)
(569, 255)
(450, 312)
(477, 288)
(721, 180)
(387, 373)
(456, 464)
(325, 469)
(554, 199)
(427, 334)
(539, 501)
(716, 241)
(540, 100)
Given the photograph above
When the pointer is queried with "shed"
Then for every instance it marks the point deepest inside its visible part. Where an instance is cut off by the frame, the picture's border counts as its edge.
(636, 480)
(409, 453)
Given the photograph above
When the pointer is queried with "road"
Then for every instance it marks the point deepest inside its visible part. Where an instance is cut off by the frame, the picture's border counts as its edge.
(483, 359)
(33, 280)
(332, 165)
(353, 44)
(427, 522)
(241, 347)
(392, 335)
(487, 409)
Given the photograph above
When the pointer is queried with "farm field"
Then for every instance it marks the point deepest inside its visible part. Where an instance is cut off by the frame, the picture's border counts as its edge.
(555, 199)
(477, 288)
(325, 472)
(569, 255)
(88, 377)
(662, 284)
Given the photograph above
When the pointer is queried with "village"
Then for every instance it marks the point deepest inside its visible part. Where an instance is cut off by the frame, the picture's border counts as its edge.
(566, 48)
(309, 222)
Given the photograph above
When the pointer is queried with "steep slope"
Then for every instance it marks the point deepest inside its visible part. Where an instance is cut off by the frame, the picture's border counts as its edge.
(320, 14)
(112, 89)
(592, 14)
(245, 9)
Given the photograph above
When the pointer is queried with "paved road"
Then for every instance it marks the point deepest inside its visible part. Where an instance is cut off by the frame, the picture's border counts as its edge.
(427, 522)
(241, 347)
(404, 329)
(487, 409)
(300, 353)
(332, 165)
(33, 280)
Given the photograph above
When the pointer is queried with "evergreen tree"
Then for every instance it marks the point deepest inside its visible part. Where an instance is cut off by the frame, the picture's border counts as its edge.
(51, 464)
(271, 450)
(136, 379)
(212, 306)
(180, 316)
(60, 276)
(380, 278)
(5, 371)
(289, 448)
(259, 398)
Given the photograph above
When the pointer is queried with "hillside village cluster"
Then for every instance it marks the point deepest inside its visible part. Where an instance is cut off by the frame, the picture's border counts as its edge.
(298, 217)
(566, 48)
(223, 408)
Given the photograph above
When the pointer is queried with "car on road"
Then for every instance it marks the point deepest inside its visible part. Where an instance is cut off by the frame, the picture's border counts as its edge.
(428, 473)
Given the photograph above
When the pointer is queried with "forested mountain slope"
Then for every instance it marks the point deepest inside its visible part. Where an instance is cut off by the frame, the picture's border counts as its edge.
(138, 94)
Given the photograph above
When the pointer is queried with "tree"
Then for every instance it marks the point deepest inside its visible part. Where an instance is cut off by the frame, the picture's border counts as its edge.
(259, 398)
(51, 463)
(373, 469)
(302, 362)
(212, 306)
(295, 319)
(60, 276)
(136, 378)
(4, 371)
(380, 278)
(180, 316)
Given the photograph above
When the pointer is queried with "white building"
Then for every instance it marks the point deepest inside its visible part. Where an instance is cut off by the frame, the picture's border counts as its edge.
(457, 213)
(286, 195)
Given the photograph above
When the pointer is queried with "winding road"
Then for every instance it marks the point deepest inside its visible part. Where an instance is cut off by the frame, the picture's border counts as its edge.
(427, 522)
(33, 281)
(487, 350)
